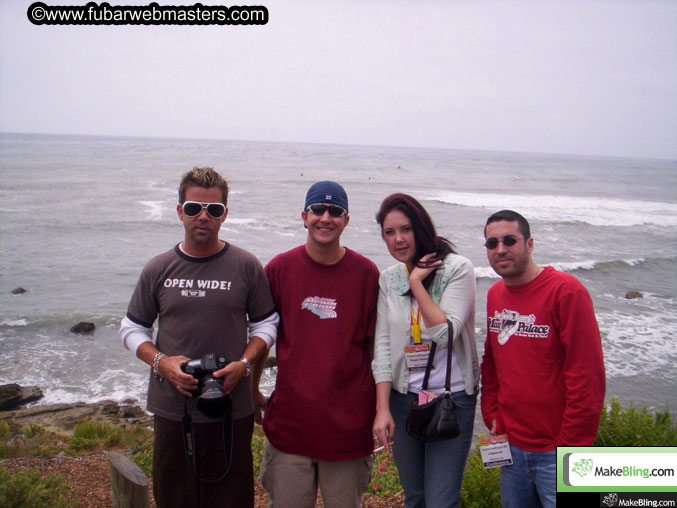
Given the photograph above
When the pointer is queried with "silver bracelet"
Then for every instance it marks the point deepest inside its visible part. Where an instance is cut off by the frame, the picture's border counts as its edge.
(156, 365)
(247, 366)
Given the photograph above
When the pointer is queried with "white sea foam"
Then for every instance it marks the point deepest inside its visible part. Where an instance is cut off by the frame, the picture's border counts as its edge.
(562, 266)
(61, 395)
(488, 273)
(591, 210)
(155, 209)
(111, 384)
(119, 385)
(241, 221)
(639, 343)
(574, 265)
(485, 272)
(14, 322)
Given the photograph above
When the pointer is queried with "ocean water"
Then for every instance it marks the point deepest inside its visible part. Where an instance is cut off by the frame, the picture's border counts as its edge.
(79, 216)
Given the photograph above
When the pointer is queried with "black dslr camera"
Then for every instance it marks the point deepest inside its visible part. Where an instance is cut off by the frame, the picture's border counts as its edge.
(212, 399)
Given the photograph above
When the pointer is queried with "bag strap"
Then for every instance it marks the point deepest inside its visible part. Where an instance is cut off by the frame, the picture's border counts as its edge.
(447, 381)
(429, 366)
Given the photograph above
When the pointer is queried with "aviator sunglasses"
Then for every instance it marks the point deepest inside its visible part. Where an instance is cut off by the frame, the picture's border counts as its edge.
(194, 208)
(492, 242)
(334, 210)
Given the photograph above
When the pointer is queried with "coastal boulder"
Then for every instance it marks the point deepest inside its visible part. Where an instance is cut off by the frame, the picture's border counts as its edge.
(83, 327)
(62, 418)
(13, 395)
(630, 295)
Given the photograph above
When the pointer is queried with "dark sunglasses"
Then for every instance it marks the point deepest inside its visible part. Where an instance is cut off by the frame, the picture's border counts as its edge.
(194, 208)
(334, 210)
(492, 242)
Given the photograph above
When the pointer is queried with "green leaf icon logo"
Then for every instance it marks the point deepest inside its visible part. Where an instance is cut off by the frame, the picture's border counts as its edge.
(583, 467)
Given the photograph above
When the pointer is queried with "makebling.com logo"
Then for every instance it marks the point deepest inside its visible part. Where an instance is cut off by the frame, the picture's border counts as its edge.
(583, 467)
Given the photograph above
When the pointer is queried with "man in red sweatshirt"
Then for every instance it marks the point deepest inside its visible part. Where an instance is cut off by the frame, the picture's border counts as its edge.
(543, 378)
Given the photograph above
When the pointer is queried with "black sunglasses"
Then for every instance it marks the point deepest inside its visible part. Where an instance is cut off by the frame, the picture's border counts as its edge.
(194, 208)
(492, 242)
(334, 210)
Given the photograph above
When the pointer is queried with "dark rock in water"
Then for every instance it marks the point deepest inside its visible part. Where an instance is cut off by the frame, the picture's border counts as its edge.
(633, 294)
(271, 361)
(12, 395)
(83, 327)
(19, 291)
(30, 394)
(9, 395)
(62, 418)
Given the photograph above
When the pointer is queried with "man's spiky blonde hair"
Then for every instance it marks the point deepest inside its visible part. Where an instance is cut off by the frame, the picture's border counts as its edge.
(205, 178)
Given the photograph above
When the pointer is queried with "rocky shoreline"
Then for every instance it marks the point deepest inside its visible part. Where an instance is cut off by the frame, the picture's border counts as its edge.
(62, 418)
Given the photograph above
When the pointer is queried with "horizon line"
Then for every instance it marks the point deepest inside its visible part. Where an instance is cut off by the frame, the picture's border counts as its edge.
(325, 143)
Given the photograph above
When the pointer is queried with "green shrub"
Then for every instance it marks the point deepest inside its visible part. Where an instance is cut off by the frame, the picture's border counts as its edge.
(30, 440)
(385, 479)
(630, 427)
(5, 433)
(257, 452)
(144, 458)
(480, 486)
(27, 488)
(91, 434)
(32, 430)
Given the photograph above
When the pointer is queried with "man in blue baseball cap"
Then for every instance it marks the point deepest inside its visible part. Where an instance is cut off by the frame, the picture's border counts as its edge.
(318, 420)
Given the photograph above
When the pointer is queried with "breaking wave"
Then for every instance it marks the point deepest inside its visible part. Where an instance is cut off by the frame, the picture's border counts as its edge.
(590, 210)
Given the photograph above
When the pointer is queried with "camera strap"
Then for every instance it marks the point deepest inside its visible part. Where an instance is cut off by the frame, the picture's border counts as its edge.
(191, 451)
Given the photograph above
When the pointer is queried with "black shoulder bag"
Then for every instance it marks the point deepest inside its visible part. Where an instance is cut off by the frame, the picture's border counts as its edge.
(435, 420)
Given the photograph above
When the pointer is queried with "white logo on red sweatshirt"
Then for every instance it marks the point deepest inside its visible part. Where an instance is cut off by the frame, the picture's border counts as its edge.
(323, 307)
(510, 322)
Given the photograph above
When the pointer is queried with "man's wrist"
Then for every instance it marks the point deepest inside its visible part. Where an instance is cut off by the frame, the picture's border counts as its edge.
(247, 366)
(156, 365)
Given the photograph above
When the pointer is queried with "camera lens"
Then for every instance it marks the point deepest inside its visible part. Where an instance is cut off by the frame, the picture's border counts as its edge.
(213, 400)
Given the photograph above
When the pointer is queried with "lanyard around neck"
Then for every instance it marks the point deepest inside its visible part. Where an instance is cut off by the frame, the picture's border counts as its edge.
(415, 324)
(415, 321)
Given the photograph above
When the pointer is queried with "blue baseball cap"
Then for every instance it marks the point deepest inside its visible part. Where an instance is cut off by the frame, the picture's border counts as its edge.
(327, 192)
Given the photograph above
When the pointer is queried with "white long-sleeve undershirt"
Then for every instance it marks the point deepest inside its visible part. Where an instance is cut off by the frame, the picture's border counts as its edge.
(133, 334)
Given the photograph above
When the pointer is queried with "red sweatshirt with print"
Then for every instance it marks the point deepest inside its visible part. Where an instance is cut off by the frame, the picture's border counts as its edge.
(543, 377)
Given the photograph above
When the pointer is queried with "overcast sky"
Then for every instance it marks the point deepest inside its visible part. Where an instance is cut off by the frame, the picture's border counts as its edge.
(569, 76)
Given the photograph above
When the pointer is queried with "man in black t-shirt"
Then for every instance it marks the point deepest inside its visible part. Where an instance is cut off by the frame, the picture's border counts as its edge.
(209, 296)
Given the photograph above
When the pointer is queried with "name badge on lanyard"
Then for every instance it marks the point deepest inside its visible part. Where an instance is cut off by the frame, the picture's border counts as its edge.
(495, 451)
(416, 356)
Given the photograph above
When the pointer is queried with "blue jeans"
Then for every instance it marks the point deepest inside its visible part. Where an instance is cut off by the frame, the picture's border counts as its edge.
(531, 480)
(431, 473)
